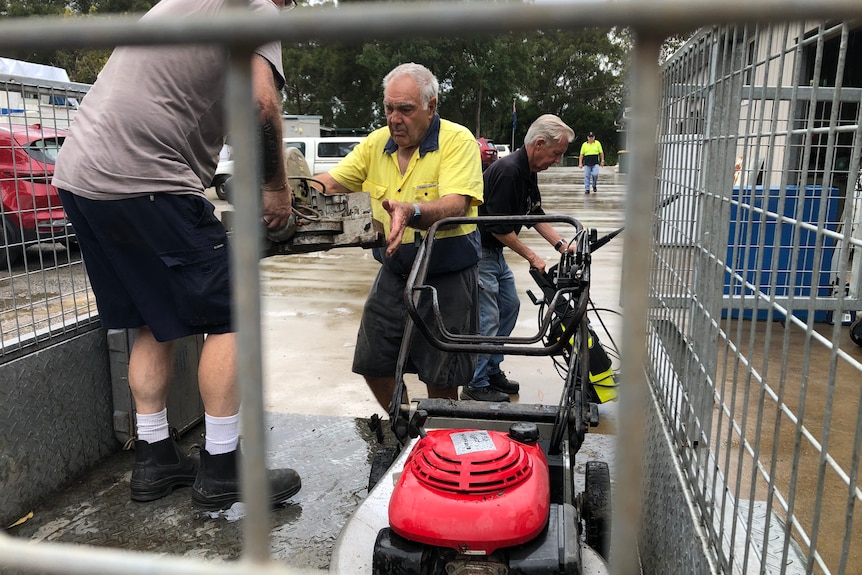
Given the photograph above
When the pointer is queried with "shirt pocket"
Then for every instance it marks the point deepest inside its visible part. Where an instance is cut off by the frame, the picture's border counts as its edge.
(376, 191)
(199, 280)
(426, 191)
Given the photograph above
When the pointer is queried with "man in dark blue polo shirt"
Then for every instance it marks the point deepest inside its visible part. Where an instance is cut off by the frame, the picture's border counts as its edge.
(511, 188)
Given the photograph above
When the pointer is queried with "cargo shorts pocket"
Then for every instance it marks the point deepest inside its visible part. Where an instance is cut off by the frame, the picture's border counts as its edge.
(200, 284)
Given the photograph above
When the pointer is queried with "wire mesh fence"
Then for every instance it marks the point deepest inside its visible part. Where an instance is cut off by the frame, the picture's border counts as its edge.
(43, 286)
(755, 283)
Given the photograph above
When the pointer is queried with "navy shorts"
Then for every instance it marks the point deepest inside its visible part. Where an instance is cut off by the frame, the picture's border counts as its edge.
(160, 261)
(384, 319)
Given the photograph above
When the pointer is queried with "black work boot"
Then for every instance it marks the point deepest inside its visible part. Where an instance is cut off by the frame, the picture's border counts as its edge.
(500, 382)
(160, 468)
(217, 484)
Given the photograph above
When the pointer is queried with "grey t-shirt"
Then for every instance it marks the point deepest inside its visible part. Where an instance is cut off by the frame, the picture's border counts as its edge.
(155, 119)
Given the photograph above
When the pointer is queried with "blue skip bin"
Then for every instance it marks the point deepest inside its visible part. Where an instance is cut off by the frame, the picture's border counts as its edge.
(754, 254)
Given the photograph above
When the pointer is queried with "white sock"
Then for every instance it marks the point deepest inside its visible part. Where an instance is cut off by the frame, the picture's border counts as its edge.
(153, 427)
(222, 433)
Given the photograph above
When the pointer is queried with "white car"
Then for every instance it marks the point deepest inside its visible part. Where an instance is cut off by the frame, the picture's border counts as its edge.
(323, 153)
(502, 150)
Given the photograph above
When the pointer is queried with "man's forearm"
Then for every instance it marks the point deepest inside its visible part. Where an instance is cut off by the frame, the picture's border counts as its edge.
(268, 104)
(512, 242)
(271, 152)
(331, 185)
(451, 206)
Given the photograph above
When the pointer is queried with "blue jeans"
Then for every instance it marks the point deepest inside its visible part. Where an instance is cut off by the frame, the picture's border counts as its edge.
(498, 309)
(591, 176)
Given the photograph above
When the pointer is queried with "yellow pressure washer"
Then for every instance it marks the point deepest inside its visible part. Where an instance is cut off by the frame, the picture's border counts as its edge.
(603, 375)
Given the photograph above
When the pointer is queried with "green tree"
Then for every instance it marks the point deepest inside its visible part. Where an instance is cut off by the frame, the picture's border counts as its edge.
(25, 8)
(576, 74)
(579, 76)
(110, 6)
(81, 65)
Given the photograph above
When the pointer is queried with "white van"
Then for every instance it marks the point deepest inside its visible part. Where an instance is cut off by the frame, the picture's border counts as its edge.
(323, 153)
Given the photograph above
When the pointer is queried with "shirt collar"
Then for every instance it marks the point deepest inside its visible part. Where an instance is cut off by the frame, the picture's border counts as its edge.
(523, 161)
(430, 143)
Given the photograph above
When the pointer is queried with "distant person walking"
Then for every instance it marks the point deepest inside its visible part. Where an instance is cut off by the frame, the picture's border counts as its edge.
(591, 159)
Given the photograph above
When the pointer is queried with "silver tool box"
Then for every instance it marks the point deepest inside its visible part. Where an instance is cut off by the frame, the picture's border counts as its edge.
(185, 408)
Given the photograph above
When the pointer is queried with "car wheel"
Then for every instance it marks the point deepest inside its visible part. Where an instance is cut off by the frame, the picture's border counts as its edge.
(856, 331)
(220, 185)
(11, 248)
(72, 245)
(596, 506)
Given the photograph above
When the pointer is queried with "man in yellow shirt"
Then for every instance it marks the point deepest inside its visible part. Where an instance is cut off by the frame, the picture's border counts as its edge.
(418, 169)
(591, 158)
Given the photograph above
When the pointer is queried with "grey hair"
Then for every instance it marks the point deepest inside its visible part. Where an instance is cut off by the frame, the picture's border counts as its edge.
(551, 128)
(427, 82)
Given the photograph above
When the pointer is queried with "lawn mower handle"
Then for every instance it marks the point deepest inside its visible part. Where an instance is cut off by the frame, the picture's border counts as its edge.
(442, 339)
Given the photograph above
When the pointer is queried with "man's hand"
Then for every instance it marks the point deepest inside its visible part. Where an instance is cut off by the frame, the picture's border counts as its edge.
(400, 214)
(277, 207)
(537, 262)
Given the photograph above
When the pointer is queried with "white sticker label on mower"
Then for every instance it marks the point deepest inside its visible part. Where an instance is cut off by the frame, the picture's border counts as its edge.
(472, 442)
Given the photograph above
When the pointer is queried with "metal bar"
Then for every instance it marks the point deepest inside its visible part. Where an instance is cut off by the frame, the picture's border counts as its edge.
(636, 249)
(19, 81)
(695, 81)
(65, 559)
(394, 20)
(245, 252)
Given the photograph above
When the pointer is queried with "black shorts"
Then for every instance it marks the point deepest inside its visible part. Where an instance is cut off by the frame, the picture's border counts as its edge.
(384, 319)
(160, 261)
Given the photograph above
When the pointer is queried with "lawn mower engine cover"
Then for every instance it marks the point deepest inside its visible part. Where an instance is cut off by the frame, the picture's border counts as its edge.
(474, 491)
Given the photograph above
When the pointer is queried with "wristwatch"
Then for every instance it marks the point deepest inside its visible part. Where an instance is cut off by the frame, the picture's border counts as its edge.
(558, 245)
(417, 215)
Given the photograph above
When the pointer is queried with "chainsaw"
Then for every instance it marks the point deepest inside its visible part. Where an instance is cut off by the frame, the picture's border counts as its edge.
(319, 222)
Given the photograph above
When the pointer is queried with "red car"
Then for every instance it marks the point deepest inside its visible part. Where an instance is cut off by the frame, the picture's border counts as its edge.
(488, 151)
(31, 210)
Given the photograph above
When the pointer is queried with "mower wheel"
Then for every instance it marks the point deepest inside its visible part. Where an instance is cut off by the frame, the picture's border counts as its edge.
(596, 506)
(856, 331)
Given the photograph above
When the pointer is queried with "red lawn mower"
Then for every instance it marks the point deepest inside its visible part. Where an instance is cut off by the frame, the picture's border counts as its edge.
(478, 488)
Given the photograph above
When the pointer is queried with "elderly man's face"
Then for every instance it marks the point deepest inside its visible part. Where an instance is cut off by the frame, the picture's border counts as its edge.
(546, 153)
(408, 121)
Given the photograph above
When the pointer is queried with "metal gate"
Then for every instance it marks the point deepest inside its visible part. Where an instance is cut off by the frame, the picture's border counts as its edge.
(44, 289)
(754, 287)
(727, 459)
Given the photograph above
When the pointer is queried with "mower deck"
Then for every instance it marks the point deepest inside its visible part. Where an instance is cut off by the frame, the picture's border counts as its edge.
(354, 548)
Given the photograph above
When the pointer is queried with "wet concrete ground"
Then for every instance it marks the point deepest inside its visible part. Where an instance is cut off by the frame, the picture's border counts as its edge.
(317, 410)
